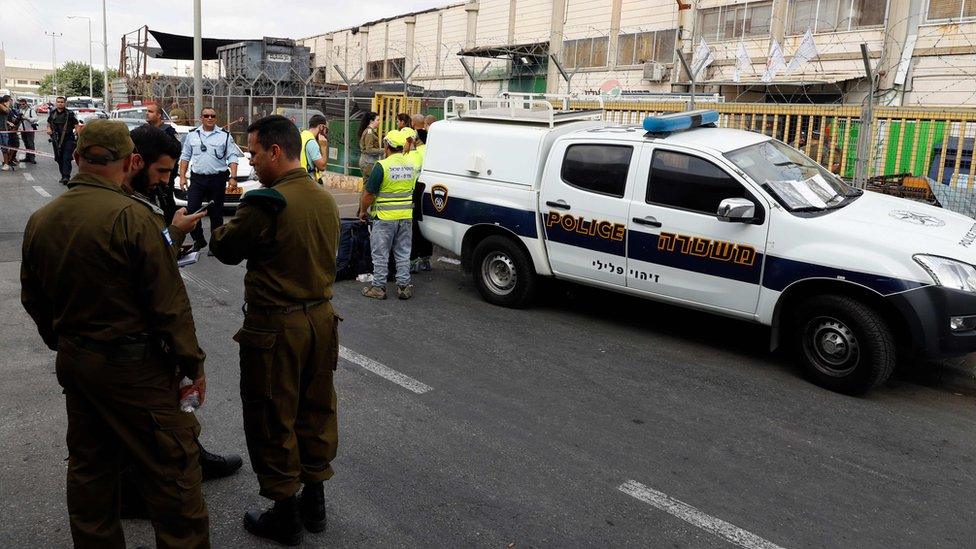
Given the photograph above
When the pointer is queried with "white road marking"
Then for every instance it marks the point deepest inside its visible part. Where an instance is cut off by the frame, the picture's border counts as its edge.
(28, 176)
(402, 380)
(693, 516)
(347, 205)
(205, 284)
(42, 192)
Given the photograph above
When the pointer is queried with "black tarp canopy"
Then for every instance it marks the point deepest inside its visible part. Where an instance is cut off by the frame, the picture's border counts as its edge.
(175, 46)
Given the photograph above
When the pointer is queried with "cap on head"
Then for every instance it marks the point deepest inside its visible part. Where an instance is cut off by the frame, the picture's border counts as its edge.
(396, 138)
(409, 133)
(112, 136)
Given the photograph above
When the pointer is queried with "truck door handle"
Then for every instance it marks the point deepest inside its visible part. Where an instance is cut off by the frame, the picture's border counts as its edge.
(561, 204)
(647, 221)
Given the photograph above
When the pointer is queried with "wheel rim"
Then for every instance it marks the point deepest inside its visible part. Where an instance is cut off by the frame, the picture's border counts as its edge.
(499, 274)
(831, 346)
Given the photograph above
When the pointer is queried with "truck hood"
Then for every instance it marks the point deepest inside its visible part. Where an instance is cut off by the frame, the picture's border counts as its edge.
(907, 225)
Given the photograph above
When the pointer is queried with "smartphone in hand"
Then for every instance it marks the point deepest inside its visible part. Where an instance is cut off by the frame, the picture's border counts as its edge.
(204, 207)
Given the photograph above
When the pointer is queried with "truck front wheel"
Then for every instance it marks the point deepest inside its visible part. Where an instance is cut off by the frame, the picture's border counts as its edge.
(503, 272)
(845, 345)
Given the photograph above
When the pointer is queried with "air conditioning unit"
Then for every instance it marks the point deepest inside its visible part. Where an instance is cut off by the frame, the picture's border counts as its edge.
(656, 72)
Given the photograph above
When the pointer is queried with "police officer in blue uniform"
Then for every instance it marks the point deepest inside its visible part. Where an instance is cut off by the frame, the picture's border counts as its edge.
(214, 155)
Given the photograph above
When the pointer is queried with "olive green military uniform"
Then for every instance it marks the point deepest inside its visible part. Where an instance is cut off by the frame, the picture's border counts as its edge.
(99, 278)
(289, 342)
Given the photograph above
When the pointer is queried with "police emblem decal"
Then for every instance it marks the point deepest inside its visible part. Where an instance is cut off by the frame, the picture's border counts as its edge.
(917, 218)
(438, 197)
(166, 237)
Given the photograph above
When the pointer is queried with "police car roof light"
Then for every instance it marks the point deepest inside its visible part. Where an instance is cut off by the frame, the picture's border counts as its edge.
(680, 121)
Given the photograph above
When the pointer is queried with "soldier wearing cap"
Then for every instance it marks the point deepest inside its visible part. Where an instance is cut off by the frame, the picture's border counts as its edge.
(99, 278)
(288, 231)
(388, 200)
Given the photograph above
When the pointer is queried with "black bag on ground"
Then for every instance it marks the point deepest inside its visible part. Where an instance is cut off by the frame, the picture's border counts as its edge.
(353, 257)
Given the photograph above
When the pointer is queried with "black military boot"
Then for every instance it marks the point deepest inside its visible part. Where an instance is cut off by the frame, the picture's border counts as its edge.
(313, 507)
(217, 466)
(281, 523)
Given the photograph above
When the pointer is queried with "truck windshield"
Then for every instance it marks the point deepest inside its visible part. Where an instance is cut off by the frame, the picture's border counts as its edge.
(798, 183)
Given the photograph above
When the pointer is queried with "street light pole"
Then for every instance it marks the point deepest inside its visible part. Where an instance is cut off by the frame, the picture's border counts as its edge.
(108, 104)
(197, 62)
(91, 87)
(54, 63)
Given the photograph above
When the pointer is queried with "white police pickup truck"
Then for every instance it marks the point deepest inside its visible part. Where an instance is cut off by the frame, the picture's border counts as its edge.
(726, 221)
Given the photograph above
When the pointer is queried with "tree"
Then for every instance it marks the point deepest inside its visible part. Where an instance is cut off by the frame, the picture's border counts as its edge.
(73, 80)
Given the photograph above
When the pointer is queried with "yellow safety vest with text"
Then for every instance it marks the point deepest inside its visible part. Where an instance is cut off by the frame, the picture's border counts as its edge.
(313, 171)
(395, 199)
(417, 155)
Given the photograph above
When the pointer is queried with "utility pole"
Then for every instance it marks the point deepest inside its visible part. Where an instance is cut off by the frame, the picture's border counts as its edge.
(197, 62)
(91, 88)
(865, 134)
(3, 66)
(54, 63)
(108, 102)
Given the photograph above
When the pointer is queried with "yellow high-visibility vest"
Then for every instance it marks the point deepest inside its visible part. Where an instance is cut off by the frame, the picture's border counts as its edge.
(309, 167)
(395, 199)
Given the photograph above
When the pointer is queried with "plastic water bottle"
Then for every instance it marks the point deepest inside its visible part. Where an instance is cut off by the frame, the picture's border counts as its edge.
(189, 401)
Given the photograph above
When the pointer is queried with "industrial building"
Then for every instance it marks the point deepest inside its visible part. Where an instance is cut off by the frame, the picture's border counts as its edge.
(19, 77)
(924, 51)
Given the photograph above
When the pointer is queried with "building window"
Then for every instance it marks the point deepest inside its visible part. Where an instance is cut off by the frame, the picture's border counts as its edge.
(374, 70)
(394, 68)
(733, 22)
(586, 52)
(945, 10)
(23, 82)
(837, 15)
(637, 49)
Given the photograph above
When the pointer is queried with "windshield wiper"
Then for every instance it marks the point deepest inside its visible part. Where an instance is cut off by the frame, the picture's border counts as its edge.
(787, 163)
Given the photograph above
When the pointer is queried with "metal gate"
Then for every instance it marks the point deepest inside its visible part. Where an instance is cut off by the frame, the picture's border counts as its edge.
(389, 105)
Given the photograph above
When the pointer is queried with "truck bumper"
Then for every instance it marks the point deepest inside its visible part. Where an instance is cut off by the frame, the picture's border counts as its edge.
(928, 311)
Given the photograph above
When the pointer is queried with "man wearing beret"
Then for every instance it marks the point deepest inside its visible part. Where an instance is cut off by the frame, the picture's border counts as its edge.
(100, 280)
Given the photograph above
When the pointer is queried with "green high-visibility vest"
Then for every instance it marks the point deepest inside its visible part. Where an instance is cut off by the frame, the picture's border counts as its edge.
(395, 199)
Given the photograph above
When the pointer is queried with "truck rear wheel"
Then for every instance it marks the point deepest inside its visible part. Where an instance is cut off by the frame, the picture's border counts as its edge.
(845, 345)
(503, 272)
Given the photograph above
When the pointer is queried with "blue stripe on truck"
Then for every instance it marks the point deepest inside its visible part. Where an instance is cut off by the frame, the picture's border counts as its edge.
(472, 212)
(744, 266)
(779, 273)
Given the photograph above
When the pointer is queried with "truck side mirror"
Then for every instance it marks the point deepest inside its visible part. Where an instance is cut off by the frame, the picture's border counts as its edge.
(736, 210)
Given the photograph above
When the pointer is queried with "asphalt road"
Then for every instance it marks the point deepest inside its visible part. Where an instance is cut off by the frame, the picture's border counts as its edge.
(589, 419)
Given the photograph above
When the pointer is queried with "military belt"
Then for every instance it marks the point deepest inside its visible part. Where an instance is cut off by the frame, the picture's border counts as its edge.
(282, 310)
(127, 349)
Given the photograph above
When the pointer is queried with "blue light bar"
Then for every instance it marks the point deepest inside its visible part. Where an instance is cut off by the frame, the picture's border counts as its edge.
(680, 121)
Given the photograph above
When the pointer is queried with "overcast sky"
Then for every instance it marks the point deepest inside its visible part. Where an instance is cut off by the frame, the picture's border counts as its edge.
(24, 22)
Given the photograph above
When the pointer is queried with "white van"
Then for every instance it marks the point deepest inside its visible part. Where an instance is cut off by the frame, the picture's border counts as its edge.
(726, 221)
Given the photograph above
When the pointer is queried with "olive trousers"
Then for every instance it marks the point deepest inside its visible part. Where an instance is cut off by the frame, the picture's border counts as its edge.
(129, 407)
(289, 401)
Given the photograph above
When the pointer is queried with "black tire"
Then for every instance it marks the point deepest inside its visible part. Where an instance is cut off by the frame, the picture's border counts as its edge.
(503, 272)
(845, 345)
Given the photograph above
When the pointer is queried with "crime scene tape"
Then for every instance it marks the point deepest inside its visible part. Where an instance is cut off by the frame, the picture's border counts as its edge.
(23, 131)
(29, 151)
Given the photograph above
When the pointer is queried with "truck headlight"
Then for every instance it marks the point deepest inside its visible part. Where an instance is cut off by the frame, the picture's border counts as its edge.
(949, 273)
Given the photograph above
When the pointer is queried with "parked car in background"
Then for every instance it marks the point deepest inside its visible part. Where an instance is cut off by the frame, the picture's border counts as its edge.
(139, 113)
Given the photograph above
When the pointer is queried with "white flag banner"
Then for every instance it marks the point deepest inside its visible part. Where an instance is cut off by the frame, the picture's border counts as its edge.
(703, 58)
(742, 62)
(805, 52)
(774, 62)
